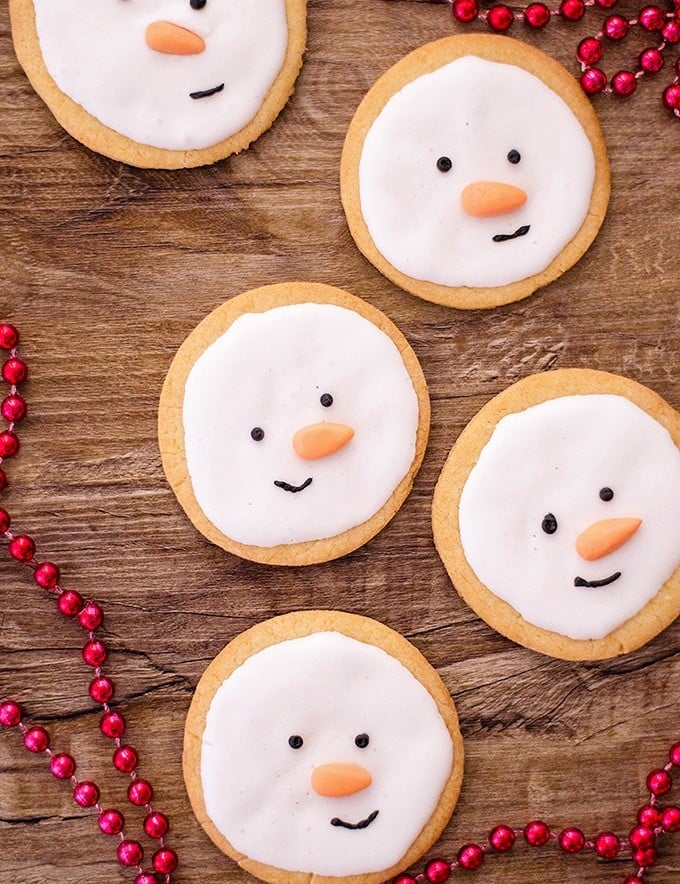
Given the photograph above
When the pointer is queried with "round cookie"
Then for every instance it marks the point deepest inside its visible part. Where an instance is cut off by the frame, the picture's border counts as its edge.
(292, 423)
(162, 84)
(474, 172)
(296, 758)
(557, 514)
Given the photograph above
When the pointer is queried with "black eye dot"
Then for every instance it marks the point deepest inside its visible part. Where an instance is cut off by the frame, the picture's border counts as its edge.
(295, 742)
(549, 523)
(514, 156)
(326, 400)
(257, 434)
(606, 494)
(361, 740)
(197, 4)
(444, 164)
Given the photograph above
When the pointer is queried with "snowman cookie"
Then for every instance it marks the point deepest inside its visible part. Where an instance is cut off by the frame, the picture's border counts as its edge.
(557, 514)
(322, 746)
(474, 172)
(162, 83)
(292, 423)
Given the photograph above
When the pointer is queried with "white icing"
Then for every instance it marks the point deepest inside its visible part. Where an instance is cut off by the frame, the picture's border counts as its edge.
(96, 52)
(326, 688)
(474, 112)
(269, 370)
(554, 458)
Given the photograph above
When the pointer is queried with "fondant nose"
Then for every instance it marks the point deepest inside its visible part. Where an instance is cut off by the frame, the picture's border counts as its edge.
(484, 199)
(164, 36)
(340, 780)
(320, 440)
(604, 537)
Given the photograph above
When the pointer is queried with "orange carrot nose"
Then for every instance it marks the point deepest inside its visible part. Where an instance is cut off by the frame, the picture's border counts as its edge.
(483, 199)
(320, 440)
(604, 537)
(164, 36)
(340, 780)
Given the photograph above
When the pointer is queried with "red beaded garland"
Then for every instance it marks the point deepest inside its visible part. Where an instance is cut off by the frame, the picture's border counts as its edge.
(140, 792)
(111, 822)
(615, 27)
(571, 840)
(500, 17)
(86, 794)
(590, 50)
(125, 759)
(10, 714)
(165, 861)
(652, 18)
(502, 838)
(649, 816)
(405, 879)
(674, 751)
(651, 61)
(471, 856)
(146, 878)
(36, 739)
(3, 480)
(22, 548)
(645, 858)
(91, 617)
(536, 833)
(671, 31)
(624, 83)
(436, 871)
(671, 97)
(572, 10)
(13, 408)
(537, 15)
(156, 825)
(670, 819)
(46, 575)
(9, 336)
(15, 371)
(642, 837)
(94, 653)
(112, 725)
(101, 689)
(465, 10)
(9, 444)
(63, 766)
(607, 845)
(70, 602)
(130, 853)
(659, 782)
(5, 521)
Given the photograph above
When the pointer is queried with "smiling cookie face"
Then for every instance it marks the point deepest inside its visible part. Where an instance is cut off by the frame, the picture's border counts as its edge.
(302, 424)
(170, 75)
(571, 516)
(298, 760)
(470, 168)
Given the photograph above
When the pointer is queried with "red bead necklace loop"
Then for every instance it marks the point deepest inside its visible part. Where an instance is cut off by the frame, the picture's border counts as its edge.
(89, 616)
(651, 18)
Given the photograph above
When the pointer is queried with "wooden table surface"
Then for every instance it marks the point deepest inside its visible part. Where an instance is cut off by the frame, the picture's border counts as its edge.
(106, 268)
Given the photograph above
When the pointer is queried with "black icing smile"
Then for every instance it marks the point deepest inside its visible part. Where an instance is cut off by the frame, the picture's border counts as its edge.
(206, 93)
(286, 486)
(364, 824)
(504, 237)
(593, 584)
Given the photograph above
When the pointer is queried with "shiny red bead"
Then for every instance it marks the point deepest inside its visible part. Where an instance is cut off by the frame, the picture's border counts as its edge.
(22, 548)
(649, 816)
(537, 15)
(500, 17)
(94, 653)
(10, 714)
(91, 617)
(624, 83)
(607, 845)
(101, 689)
(46, 575)
(86, 794)
(671, 97)
(670, 819)
(15, 370)
(148, 878)
(165, 861)
(14, 408)
(9, 444)
(3, 480)
(156, 825)
(112, 725)
(63, 766)
(606, 4)
(70, 602)
(645, 858)
(36, 739)
(502, 838)
(465, 10)
(5, 521)
(9, 336)
(140, 792)
(471, 857)
(674, 751)
(436, 871)
(671, 31)
(633, 879)
(572, 10)
(615, 27)
(125, 759)
(651, 61)
(536, 833)
(652, 18)
(659, 782)
(642, 837)
(571, 840)
(590, 50)
(111, 822)
(130, 853)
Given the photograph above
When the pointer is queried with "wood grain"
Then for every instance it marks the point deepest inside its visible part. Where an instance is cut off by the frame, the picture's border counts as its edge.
(106, 269)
